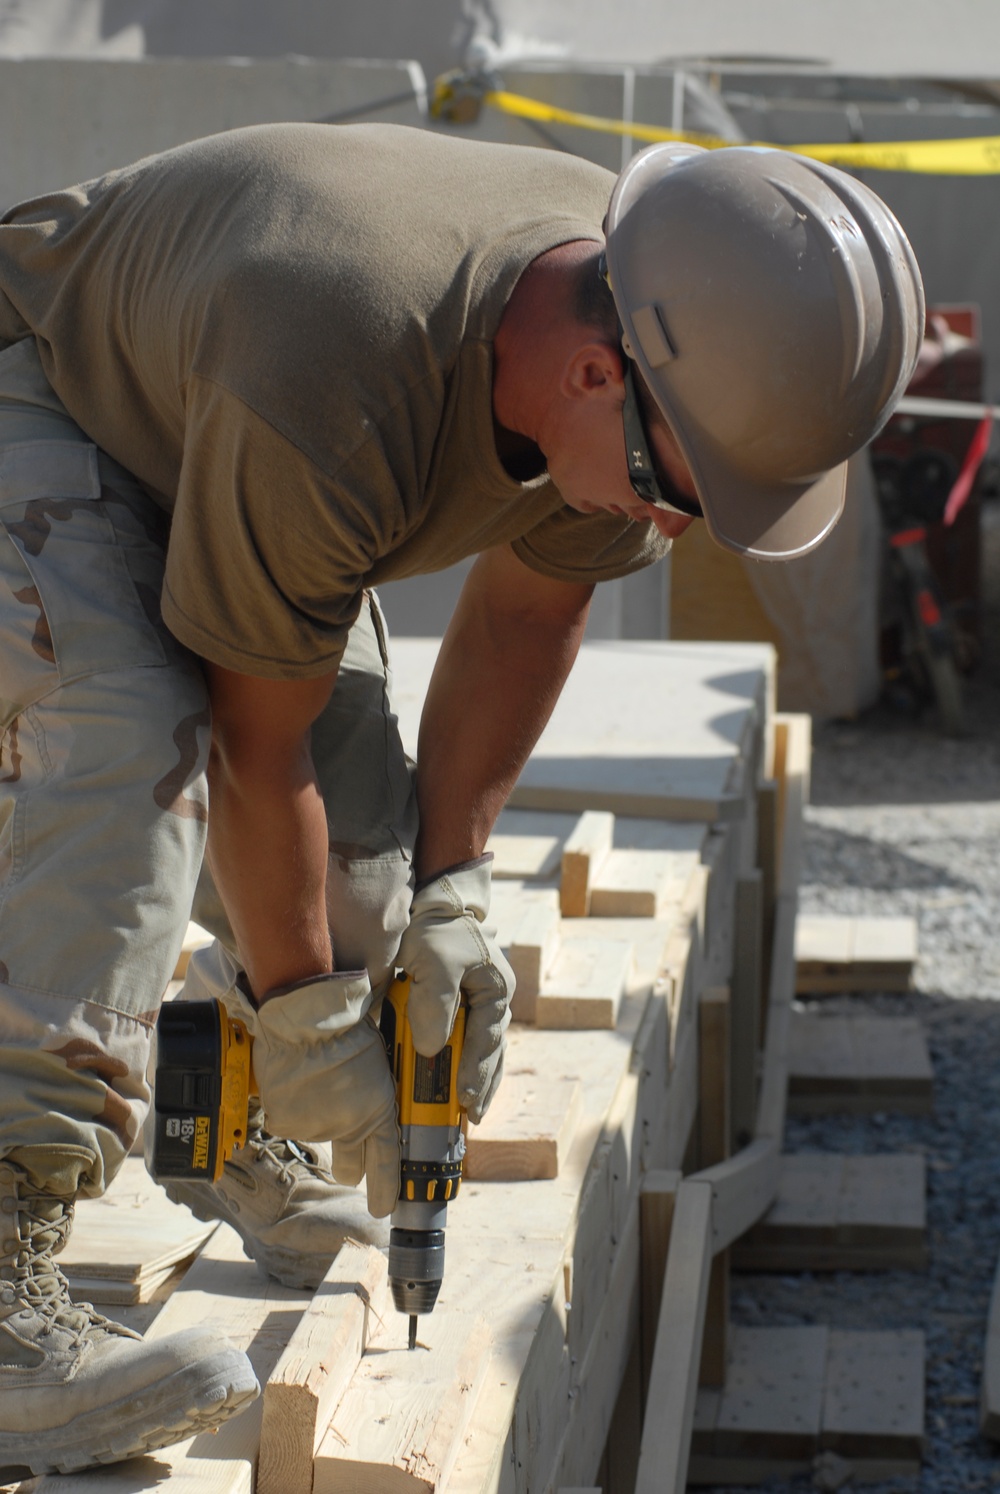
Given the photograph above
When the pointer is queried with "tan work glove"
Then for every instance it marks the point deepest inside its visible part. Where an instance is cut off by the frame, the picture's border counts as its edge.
(447, 949)
(323, 1075)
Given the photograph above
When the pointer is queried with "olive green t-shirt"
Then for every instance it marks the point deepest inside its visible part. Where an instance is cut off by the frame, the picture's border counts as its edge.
(285, 332)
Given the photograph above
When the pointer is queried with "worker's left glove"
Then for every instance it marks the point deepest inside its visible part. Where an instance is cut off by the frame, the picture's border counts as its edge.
(323, 1074)
(448, 949)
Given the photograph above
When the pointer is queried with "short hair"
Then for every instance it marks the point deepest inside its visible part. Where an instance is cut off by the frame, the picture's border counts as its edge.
(593, 303)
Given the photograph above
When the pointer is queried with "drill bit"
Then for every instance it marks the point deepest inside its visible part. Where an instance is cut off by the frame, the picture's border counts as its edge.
(413, 1330)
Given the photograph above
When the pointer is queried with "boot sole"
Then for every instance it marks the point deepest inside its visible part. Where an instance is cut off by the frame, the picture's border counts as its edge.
(198, 1398)
(293, 1269)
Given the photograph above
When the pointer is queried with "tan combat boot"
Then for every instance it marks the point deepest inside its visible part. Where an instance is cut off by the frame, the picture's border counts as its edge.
(285, 1205)
(77, 1390)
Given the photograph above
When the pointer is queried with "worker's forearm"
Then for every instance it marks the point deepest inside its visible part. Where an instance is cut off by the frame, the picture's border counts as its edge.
(494, 687)
(268, 849)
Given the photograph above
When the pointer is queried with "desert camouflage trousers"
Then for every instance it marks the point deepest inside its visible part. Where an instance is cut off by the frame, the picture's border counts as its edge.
(104, 737)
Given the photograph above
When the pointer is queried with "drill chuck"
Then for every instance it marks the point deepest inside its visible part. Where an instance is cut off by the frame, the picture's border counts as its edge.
(416, 1268)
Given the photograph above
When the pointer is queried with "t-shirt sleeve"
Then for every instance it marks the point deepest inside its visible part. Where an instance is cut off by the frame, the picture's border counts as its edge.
(267, 556)
(571, 546)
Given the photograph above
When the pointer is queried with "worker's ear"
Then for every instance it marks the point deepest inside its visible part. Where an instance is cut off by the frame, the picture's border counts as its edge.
(594, 370)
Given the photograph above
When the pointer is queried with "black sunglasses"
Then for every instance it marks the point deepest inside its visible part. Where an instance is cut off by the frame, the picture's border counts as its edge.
(642, 473)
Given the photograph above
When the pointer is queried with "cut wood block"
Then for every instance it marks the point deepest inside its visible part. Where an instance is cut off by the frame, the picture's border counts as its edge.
(583, 855)
(585, 985)
(528, 843)
(399, 1426)
(195, 938)
(858, 1063)
(873, 1401)
(836, 1213)
(638, 883)
(527, 1130)
(132, 1239)
(854, 954)
(792, 1392)
(532, 949)
(316, 1367)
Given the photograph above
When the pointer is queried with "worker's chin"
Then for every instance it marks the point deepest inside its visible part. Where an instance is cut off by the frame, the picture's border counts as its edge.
(671, 526)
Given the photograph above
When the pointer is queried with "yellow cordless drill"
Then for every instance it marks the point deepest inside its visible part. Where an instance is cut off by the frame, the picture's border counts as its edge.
(204, 1080)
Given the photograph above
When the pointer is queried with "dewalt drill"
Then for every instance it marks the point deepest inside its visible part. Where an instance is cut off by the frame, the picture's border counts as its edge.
(204, 1080)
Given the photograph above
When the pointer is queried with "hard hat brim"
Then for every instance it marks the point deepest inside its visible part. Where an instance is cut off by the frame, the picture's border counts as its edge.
(766, 521)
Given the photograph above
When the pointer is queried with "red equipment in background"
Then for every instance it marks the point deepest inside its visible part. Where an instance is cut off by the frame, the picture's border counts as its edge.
(929, 474)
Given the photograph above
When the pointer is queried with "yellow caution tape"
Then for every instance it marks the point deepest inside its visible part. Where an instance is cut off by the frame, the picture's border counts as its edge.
(977, 156)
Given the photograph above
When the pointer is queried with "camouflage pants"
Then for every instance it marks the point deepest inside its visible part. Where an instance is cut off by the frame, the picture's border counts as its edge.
(104, 735)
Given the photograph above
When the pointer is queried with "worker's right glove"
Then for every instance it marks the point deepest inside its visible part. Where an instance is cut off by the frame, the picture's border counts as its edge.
(448, 949)
(323, 1075)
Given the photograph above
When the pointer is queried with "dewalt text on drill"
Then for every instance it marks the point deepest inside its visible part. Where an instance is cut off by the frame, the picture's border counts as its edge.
(204, 1080)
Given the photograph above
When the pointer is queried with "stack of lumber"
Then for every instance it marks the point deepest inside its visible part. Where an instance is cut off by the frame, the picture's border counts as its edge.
(645, 891)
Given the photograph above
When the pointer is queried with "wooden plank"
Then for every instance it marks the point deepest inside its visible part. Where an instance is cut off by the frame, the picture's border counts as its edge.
(835, 1213)
(639, 883)
(714, 1021)
(873, 1401)
(585, 985)
(425, 1399)
(742, 1189)
(793, 754)
(666, 1432)
(313, 1372)
(656, 1214)
(747, 1000)
(858, 1063)
(528, 1129)
(131, 1237)
(583, 855)
(527, 844)
(854, 954)
(989, 1388)
(772, 1402)
(532, 950)
(222, 1290)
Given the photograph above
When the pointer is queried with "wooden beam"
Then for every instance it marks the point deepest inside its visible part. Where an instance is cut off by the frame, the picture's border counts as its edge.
(656, 1214)
(989, 1390)
(425, 1399)
(666, 1432)
(714, 1125)
(583, 855)
(858, 1063)
(854, 954)
(313, 1373)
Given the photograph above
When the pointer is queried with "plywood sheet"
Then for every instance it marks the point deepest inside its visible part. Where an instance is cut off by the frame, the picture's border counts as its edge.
(133, 1235)
(858, 1063)
(680, 755)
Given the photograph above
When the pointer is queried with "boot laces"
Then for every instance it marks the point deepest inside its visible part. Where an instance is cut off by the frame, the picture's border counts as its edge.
(291, 1158)
(43, 1226)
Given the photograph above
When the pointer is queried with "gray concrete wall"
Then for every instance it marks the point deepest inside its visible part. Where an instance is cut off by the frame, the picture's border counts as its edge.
(65, 120)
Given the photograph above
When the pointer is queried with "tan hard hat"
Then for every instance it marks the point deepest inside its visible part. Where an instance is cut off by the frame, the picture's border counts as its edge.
(775, 309)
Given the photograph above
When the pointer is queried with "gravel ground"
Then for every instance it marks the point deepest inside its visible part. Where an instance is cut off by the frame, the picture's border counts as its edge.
(905, 822)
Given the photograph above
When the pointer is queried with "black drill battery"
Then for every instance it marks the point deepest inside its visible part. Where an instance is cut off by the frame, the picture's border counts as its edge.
(200, 1091)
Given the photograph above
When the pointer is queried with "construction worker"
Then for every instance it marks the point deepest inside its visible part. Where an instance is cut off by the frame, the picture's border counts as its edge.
(241, 383)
